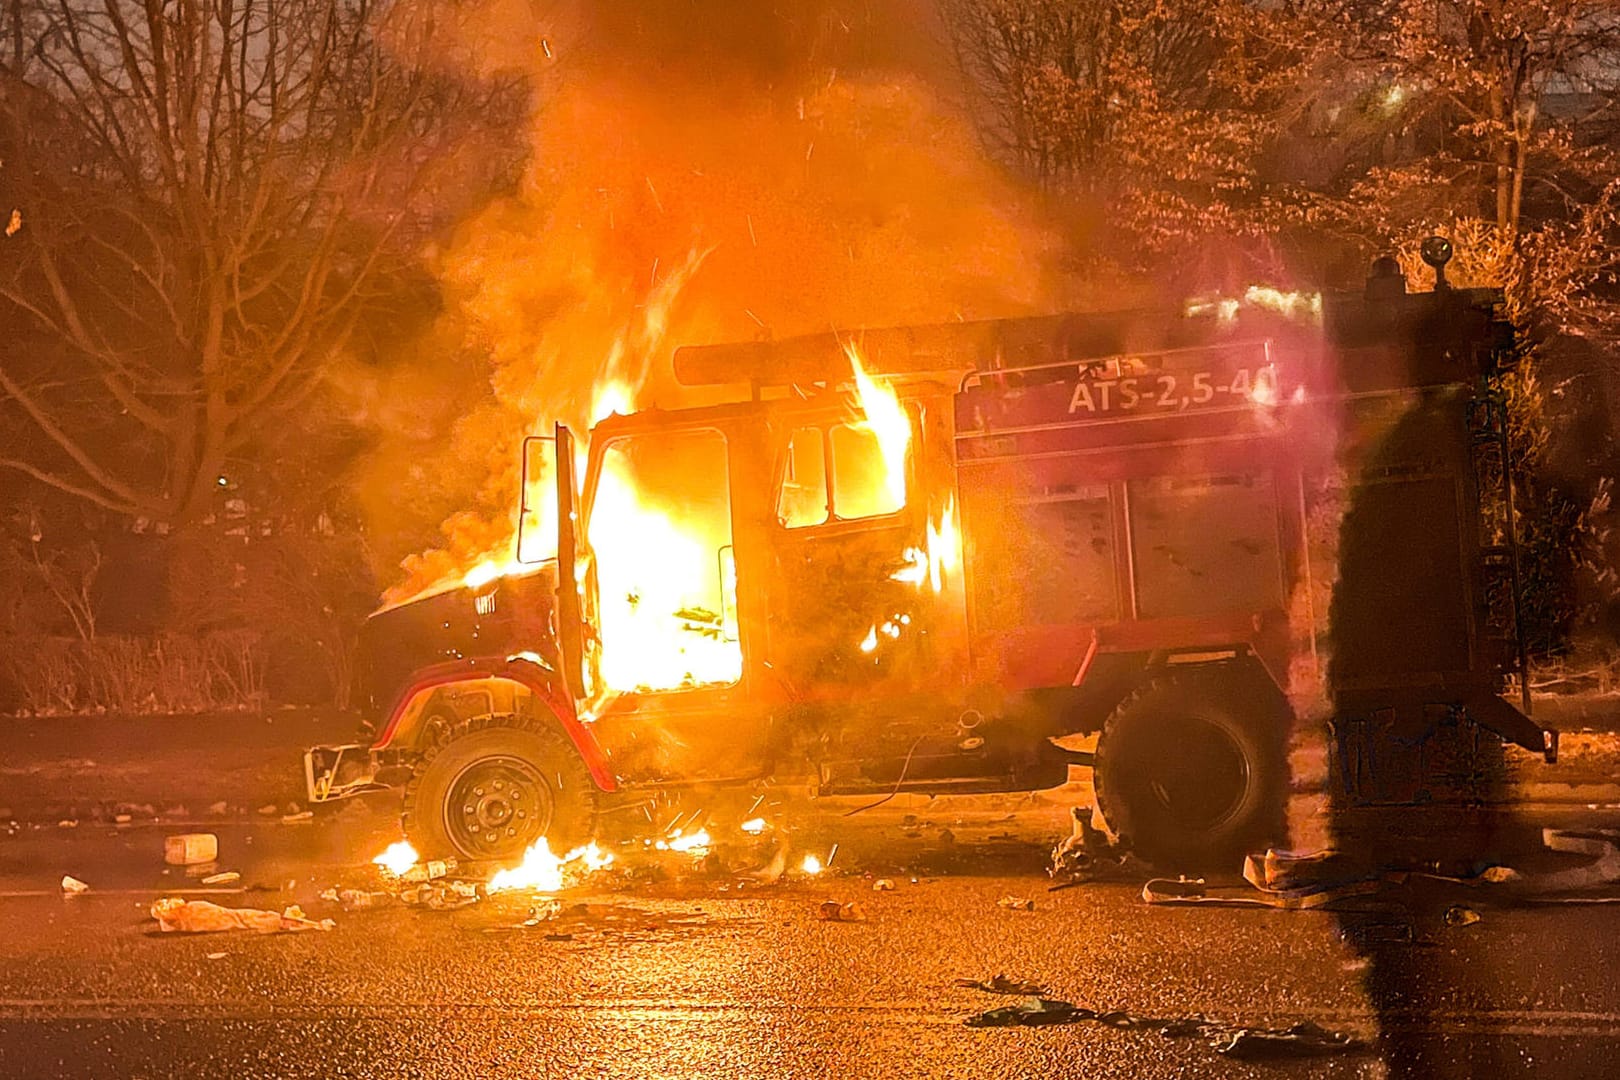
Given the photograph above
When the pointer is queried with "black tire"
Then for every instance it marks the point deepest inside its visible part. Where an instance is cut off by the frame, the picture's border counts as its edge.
(1191, 770)
(494, 787)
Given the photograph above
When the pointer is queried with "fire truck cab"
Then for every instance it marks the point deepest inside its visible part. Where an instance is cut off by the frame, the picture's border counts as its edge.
(911, 559)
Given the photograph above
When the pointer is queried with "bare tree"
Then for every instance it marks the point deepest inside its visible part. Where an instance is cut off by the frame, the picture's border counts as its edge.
(1493, 118)
(214, 197)
(1120, 104)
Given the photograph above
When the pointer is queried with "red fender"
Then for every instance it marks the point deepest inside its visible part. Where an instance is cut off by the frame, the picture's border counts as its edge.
(540, 681)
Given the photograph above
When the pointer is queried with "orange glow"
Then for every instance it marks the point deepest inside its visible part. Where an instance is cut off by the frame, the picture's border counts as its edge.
(886, 418)
(660, 590)
(696, 843)
(541, 871)
(398, 858)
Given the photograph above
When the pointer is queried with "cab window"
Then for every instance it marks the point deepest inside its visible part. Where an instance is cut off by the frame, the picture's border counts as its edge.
(837, 473)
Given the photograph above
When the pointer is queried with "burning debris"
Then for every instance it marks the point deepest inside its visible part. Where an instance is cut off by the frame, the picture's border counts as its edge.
(399, 857)
(541, 871)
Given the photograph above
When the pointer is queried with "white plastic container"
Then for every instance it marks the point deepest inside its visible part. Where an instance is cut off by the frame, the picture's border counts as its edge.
(190, 849)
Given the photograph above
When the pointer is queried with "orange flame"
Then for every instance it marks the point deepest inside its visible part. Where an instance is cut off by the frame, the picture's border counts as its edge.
(886, 418)
(541, 871)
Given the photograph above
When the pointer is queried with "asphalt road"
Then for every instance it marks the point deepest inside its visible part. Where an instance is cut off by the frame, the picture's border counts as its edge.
(691, 975)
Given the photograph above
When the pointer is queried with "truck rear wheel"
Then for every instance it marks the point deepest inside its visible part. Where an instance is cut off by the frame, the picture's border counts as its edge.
(494, 787)
(1191, 771)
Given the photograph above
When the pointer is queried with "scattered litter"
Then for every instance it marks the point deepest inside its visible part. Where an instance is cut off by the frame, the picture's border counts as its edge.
(1001, 984)
(189, 849)
(882, 884)
(1603, 870)
(1457, 915)
(441, 895)
(216, 956)
(1088, 853)
(833, 911)
(294, 819)
(1290, 897)
(431, 870)
(1304, 1039)
(220, 809)
(357, 899)
(1300, 1041)
(543, 913)
(121, 819)
(67, 824)
(202, 917)
(227, 878)
(1366, 935)
(269, 808)
(1016, 903)
(1032, 1011)
(72, 886)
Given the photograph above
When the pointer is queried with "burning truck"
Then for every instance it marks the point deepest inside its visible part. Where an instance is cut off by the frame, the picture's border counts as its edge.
(914, 559)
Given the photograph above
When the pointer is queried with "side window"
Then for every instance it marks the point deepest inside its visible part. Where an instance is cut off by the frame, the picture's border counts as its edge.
(803, 500)
(863, 483)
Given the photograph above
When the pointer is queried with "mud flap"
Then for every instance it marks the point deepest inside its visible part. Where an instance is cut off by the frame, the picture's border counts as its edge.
(1496, 715)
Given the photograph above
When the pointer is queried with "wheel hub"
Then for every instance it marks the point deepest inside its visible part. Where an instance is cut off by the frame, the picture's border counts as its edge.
(1203, 782)
(497, 807)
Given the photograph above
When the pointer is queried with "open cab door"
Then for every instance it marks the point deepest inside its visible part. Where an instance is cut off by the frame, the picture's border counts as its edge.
(550, 495)
(570, 635)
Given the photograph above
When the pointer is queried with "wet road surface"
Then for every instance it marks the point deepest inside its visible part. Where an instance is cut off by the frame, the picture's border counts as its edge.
(682, 977)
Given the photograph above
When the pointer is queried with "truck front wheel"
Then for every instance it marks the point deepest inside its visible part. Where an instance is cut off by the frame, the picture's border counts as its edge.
(1191, 771)
(494, 787)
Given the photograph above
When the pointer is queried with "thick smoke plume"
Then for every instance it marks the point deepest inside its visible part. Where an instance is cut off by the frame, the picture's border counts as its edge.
(699, 172)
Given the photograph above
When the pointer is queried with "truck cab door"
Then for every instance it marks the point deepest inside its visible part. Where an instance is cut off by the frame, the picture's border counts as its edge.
(862, 611)
(664, 667)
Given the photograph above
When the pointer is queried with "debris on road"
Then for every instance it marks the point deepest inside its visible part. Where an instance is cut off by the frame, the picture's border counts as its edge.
(190, 849)
(1300, 1041)
(298, 818)
(229, 877)
(1088, 854)
(1458, 915)
(1016, 903)
(834, 911)
(442, 895)
(201, 917)
(216, 956)
(1604, 870)
(1032, 1011)
(358, 899)
(72, 886)
(1305, 1039)
(882, 884)
(431, 870)
(1002, 984)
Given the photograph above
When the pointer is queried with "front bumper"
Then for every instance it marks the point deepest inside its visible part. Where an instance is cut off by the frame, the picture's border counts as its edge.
(340, 772)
